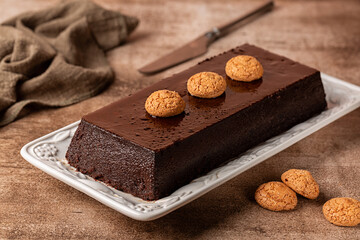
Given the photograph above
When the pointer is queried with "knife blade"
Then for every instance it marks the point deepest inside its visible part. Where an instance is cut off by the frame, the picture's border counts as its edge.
(200, 45)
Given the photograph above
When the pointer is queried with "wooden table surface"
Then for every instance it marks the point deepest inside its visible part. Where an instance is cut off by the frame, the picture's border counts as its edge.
(321, 34)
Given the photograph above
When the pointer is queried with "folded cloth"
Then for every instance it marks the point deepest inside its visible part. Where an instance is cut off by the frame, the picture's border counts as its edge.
(55, 57)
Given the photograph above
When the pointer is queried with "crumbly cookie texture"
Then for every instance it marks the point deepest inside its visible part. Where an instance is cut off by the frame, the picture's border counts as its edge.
(206, 85)
(342, 211)
(276, 196)
(244, 68)
(302, 182)
(164, 103)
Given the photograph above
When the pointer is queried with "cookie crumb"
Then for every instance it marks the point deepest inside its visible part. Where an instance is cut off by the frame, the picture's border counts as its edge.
(164, 103)
(302, 182)
(206, 85)
(342, 211)
(244, 68)
(275, 196)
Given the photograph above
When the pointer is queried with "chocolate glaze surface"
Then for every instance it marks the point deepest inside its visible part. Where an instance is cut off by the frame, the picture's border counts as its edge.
(128, 118)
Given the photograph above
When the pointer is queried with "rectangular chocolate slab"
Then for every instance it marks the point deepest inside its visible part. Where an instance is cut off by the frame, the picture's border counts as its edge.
(149, 157)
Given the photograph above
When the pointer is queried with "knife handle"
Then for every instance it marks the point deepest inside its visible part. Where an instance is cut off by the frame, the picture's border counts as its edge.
(221, 30)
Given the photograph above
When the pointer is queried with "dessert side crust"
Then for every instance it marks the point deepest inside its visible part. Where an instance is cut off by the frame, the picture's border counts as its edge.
(113, 160)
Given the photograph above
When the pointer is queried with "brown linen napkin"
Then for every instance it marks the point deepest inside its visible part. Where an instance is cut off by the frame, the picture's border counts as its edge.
(55, 57)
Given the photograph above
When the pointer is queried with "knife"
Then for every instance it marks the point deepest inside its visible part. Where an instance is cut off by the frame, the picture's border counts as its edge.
(199, 46)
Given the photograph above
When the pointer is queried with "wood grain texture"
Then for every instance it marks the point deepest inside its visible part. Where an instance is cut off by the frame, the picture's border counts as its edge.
(321, 34)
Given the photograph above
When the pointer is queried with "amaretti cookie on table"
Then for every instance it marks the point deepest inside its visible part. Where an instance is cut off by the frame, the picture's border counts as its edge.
(276, 196)
(342, 211)
(302, 182)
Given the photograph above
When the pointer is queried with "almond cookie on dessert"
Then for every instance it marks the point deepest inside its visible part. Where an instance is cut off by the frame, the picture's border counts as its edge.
(206, 85)
(164, 103)
(244, 68)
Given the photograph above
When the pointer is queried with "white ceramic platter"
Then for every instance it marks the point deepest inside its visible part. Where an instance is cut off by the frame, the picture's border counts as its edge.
(48, 154)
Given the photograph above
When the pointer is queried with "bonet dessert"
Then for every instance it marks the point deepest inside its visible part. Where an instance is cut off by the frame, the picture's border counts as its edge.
(124, 146)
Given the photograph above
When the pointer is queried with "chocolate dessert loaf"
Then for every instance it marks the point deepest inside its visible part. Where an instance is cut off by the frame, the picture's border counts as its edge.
(123, 146)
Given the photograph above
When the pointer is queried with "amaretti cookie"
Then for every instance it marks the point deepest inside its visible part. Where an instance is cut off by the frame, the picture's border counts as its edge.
(244, 68)
(164, 103)
(276, 196)
(302, 182)
(206, 85)
(342, 211)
